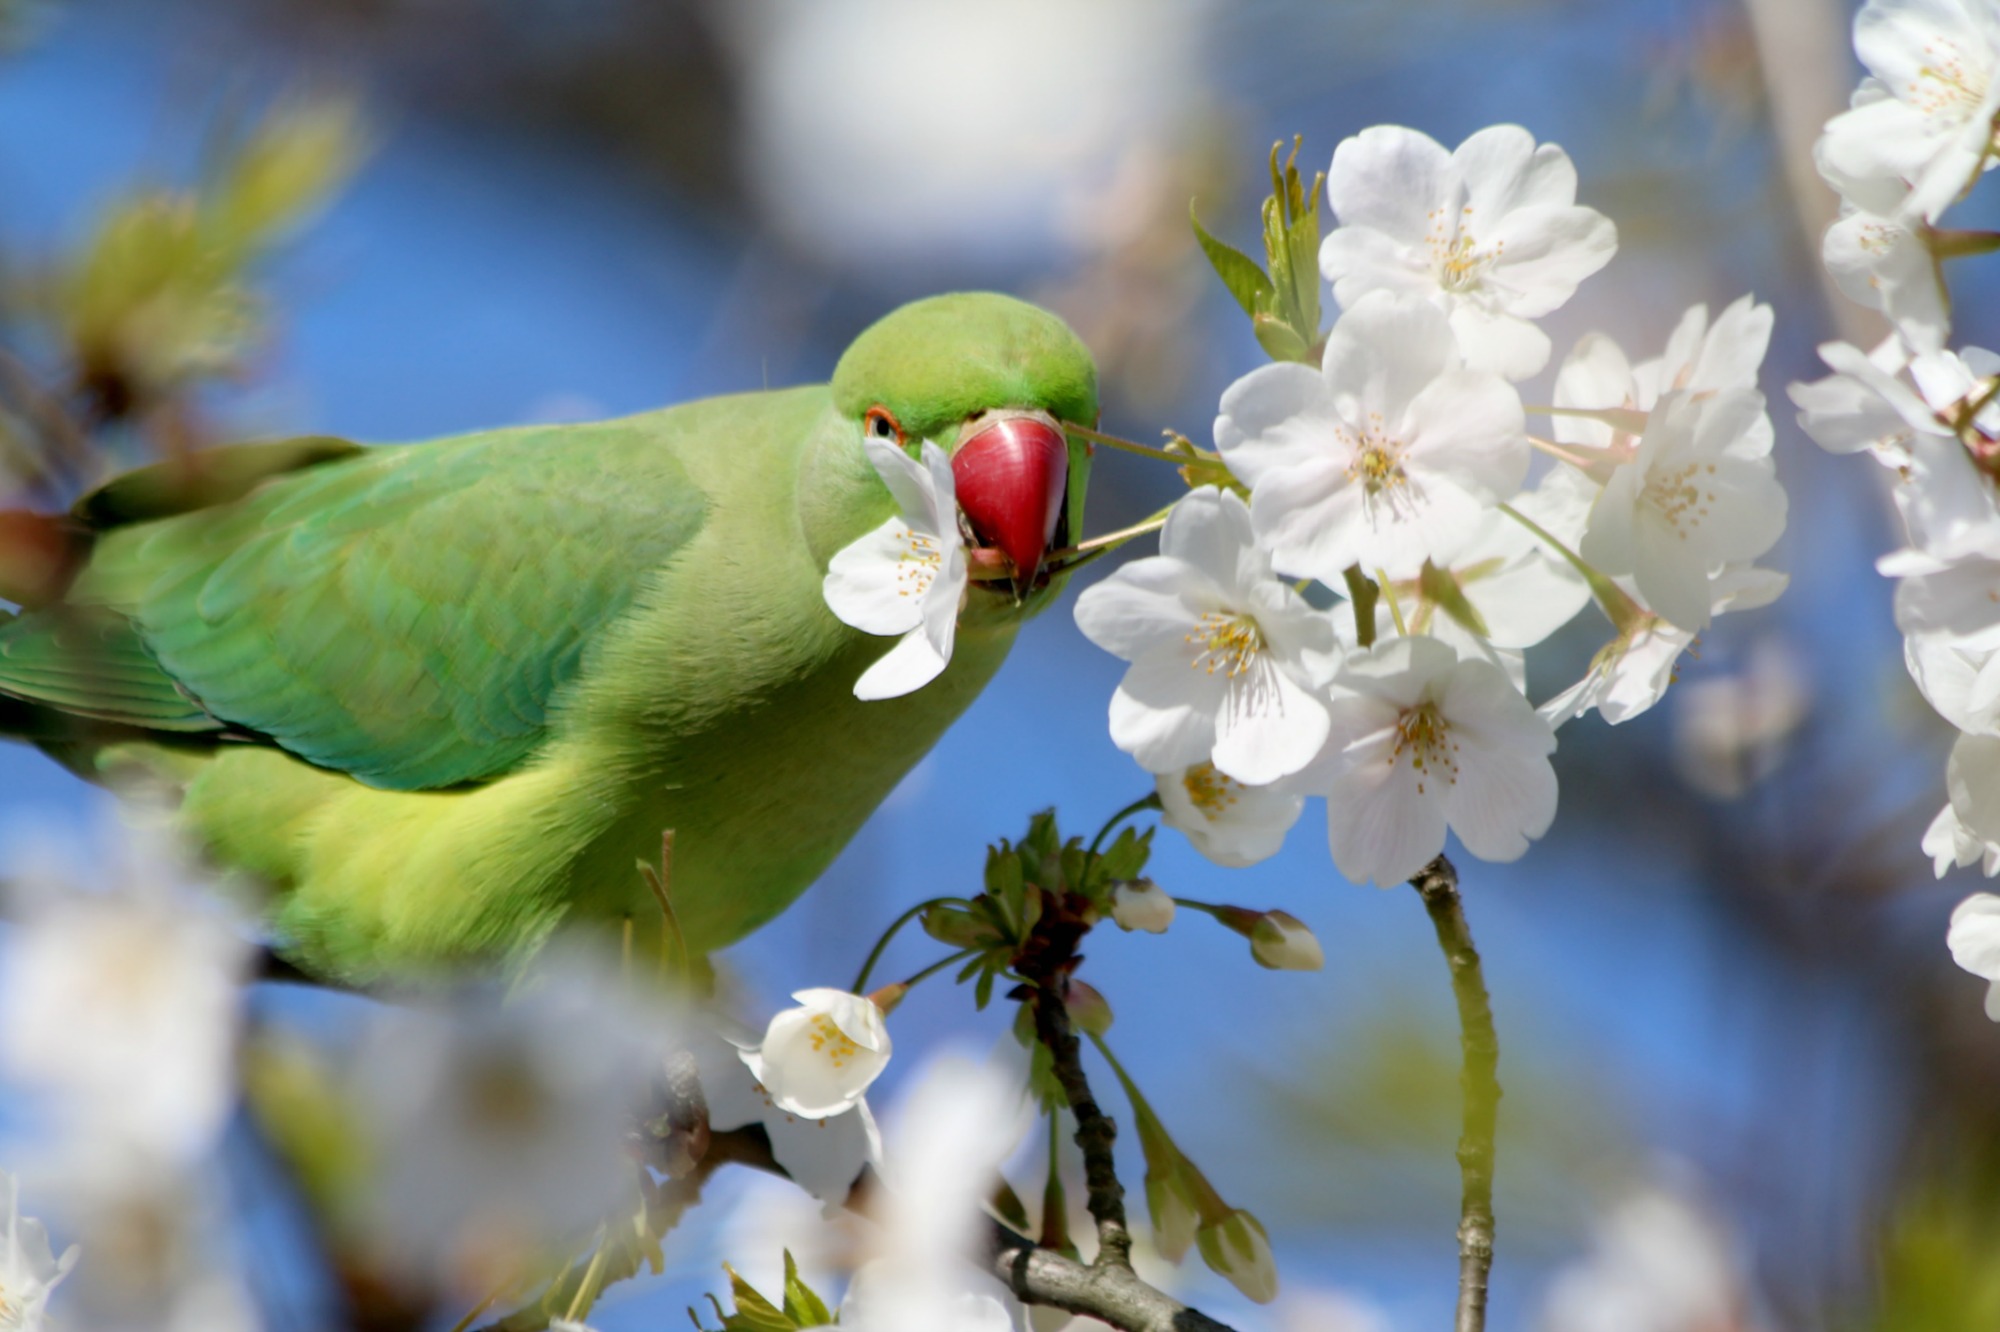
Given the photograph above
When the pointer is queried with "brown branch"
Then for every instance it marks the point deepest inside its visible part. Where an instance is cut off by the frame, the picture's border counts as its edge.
(1480, 1084)
(1095, 1131)
(1113, 1295)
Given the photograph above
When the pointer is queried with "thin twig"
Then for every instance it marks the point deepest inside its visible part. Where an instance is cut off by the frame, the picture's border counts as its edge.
(1095, 1131)
(1480, 1084)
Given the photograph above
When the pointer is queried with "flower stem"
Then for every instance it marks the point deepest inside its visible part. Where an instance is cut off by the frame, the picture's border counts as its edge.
(875, 953)
(937, 966)
(1127, 445)
(1624, 613)
(1151, 800)
(1395, 608)
(1110, 540)
(1479, 1083)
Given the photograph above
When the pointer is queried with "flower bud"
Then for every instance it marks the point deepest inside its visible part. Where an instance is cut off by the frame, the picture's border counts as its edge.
(818, 1059)
(1281, 941)
(1142, 904)
(1088, 1009)
(1235, 1246)
(1170, 1203)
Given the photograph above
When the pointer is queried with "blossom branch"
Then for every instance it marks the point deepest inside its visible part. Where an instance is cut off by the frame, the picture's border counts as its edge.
(1479, 1082)
(1095, 1131)
(1114, 1295)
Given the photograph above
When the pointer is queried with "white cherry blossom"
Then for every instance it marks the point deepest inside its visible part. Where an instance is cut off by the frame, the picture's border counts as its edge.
(1230, 823)
(29, 1269)
(1867, 403)
(1226, 660)
(120, 1004)
(945, 1146)
(1422, 741)
(818, 1059)
(493, 1121)
(1925, 116)
(1950, 844)
(1517, 590)
(1697, 494)
(823, 1155)
(906, 577)
(1385, 457)
(1886, 262)
(1974, 940)
(1947, 495)
(1631, 673)
(1951, 630)
(1142, 905)
(1491, 233)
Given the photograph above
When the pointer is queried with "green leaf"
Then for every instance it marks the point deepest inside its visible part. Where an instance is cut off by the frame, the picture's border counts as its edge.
(982, 992)
(1126, 857)
(802, 1306)
(753, 1313)
(1442, 590)
(1238, 271)
(1043, 835)
(1280, 341)
(956, 926)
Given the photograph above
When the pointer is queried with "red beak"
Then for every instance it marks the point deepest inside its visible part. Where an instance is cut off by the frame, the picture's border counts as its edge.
(1011, 474)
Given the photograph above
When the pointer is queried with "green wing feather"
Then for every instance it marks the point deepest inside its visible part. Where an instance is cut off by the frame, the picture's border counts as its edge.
(407, 615)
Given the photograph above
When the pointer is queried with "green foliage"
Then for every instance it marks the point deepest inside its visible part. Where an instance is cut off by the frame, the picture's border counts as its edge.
(161, 293)
(1042, 883)
(803, 1308)
(1283, 303)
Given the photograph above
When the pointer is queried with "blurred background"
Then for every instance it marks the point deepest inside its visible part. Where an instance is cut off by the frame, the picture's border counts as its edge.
(1746, 1088)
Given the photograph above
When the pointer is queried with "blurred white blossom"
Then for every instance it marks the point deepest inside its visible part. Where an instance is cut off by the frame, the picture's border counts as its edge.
(119, 1002)
(899, 132)
(956, 1125)
(1658, 1262)
(1491, 233)
(1730, 729)
(29, 1269)
(496, 1128)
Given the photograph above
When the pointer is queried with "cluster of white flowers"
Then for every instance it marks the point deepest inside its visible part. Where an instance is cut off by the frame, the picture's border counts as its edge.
(1918, 136)
(1399, 470)
(119, 1010)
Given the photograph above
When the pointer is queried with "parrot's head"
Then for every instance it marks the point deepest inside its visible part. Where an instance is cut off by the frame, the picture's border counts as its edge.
(992, 380)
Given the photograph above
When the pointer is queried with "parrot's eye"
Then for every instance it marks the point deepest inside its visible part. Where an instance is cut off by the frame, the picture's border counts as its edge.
(881, 424)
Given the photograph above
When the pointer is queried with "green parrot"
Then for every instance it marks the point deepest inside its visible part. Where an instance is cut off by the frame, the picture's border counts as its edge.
(443, 696)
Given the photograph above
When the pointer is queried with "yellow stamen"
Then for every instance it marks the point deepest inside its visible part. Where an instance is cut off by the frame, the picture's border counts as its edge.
(1228, 643)
(829, 1040)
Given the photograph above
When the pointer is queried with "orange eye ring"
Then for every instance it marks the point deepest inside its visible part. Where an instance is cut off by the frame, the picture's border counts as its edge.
(881, 423)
